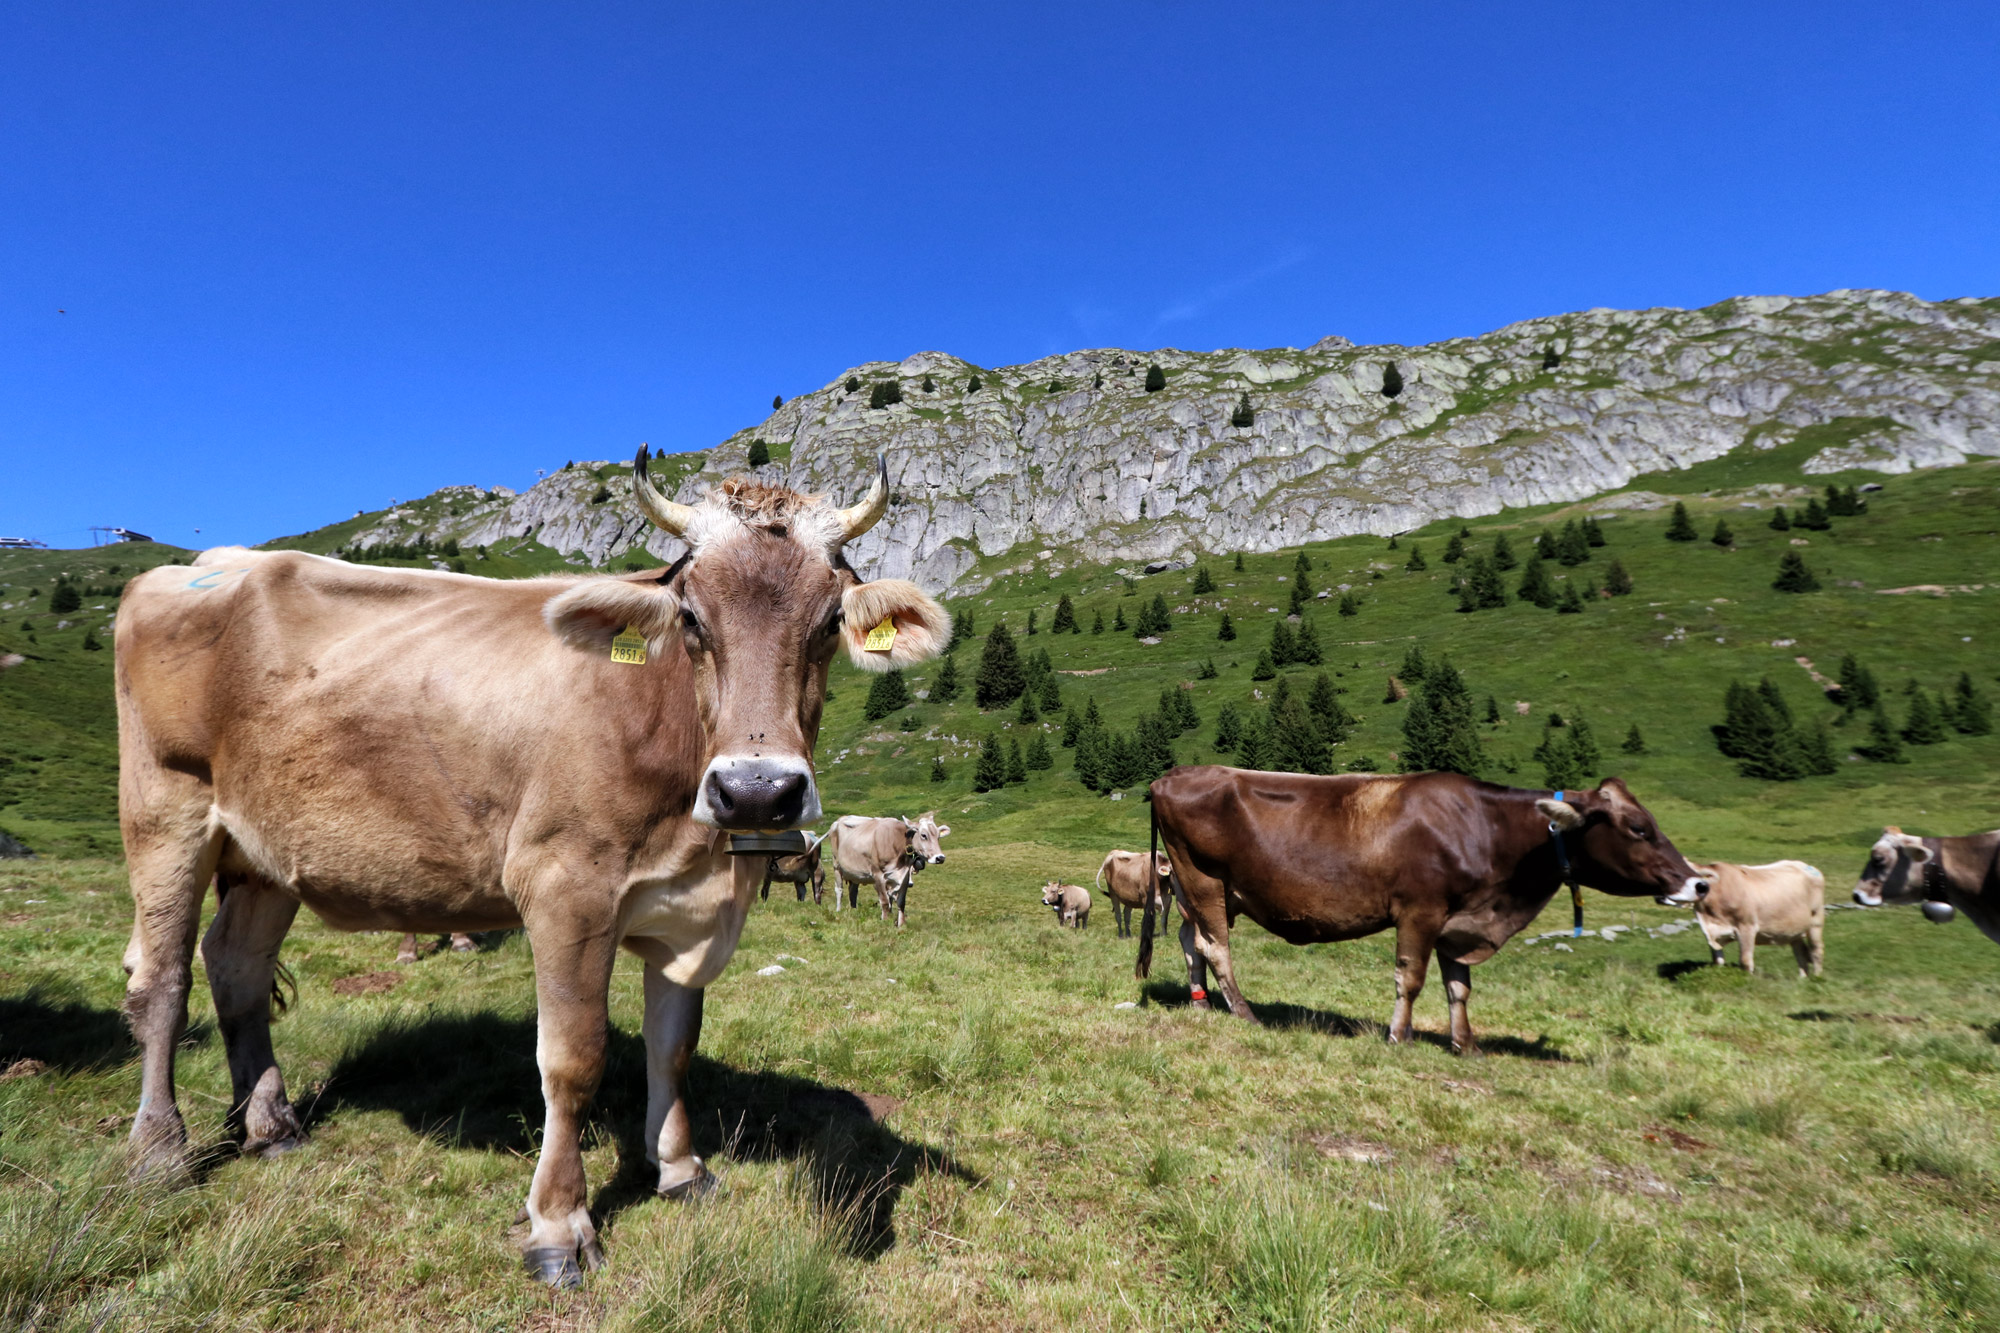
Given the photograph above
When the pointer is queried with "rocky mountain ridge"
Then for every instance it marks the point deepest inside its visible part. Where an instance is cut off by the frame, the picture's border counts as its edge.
(1256, 450)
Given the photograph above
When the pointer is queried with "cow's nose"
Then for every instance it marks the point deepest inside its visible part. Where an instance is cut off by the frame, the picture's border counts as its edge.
(1862, 899)
(757, 793)
(938, 860)
(1701, 888)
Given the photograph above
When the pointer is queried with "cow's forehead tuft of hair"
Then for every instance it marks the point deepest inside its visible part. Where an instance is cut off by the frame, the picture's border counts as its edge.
(741, 503)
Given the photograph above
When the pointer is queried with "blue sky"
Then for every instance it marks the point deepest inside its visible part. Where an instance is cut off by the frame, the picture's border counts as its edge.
(313, 257)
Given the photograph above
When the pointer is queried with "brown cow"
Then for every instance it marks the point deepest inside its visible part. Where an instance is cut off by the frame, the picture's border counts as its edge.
(1124, 879)
(1947, 875)
(1070, 901)
(413, 750)
(800, 870)
(1455, 865)
(887, 853)
(1780, 903)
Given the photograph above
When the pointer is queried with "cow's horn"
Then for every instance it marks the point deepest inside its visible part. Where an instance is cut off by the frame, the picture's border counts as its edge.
(667, 515)
(857, 519)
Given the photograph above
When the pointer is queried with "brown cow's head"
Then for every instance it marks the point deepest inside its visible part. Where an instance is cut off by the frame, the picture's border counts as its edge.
(1895, 873)
(924, 835)
(1617, 848)
(760, 603)
(1052, 894)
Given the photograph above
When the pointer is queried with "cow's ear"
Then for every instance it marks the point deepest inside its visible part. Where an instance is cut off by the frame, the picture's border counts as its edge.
(943, 829)
(1560, 813)
(922, 627)
(1916, 851)
(589, 615)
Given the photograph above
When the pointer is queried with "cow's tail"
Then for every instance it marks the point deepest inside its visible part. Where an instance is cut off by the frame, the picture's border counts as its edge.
(1152, 897)
(1100, 874)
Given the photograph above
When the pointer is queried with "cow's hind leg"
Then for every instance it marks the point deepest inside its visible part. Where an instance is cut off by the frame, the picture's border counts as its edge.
(406, 952)
(1746, 949)
(672, 1028)
(1458, 990)
(1413, 957)
(1197, 966)
(240, 952)
(1816, 949)
(1210, 939)
(170, 853)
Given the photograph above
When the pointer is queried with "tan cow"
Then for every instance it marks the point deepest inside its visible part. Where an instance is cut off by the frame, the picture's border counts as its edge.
(1070, 901)
(799, 871)
(864, 850)
(1780, 903)
(1124, 879)
(412, 750)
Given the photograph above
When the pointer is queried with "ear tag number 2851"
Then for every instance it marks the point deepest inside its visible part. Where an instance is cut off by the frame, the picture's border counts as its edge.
(629, 647)
(882, 638)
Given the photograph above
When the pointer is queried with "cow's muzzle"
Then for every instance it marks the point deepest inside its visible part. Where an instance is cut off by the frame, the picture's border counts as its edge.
(938, 860)
(757, 793)
(1691, 891)
(1863, 898)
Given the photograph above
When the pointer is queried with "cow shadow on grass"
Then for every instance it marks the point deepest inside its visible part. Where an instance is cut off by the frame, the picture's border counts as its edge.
(1288, 1017)
(470, 1081)
(62, 1033)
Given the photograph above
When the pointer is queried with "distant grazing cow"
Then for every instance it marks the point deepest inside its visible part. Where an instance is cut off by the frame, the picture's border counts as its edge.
(1455, 865)
(1126, 882)
(1070, 901)
(417, 750)
(870, 851)
(801, 870)
(1780, 903)
(460, 943)
(1947, 875)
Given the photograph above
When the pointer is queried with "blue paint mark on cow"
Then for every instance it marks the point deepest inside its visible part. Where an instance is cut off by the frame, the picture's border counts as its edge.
(209, 581)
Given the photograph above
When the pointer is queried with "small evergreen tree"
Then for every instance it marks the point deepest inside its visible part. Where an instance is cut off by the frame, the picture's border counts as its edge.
(1051, 692)
(1097, 623)
(1244, 415)
(886, 693)
(1227, 630)
(1228, 728)
(1350, 605)
(990, 772)
(1158, 617)
(760, 454)
(1858, 689)
(885, 393)
(1572, 547)
(974, 385)
(1156, 379)
(1536, 585)
(1593, 535)
(1394, 545)
(1616, 581)
(1415, 665)
(1884, 745)
(1562, 767)
(938, 773)
(1416, 564)
(1000, 680)
(1503, 554)
(1252, 750)
(1634, 742)
(945, 688)
(1038, 756)
(1583, 744)
(1032, 629)
(1438, 731)
(90, 643)
(1030, 711)
(930, 385)
(1017, 767)
(1065, 621)
(1569, 604)
(1207, 671)
(1202, 582)
(1298, 605)
(1264, 669)
(1550, 357)
(1483, 583)
(65, 598)
(853, 384)
(1793, 575)
(1723, 536)
(1392, 380)
(1454, 549)
(1072, 727)
(1780, 521)
(1335, 723)
(1492, 711)
(1971, 714)
(1239, 562)
(1814, 518)
(1925, 726)
(777, 401)
(1282, 647)
(1118, 621)
(1680, 528)
(1545, 546)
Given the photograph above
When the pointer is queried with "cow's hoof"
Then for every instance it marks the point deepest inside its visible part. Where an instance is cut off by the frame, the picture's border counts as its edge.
(556, 1267)
(269, 1148)
(463, 944)
(696, 1186)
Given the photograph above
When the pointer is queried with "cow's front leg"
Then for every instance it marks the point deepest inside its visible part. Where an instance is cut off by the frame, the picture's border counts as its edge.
(770, 864)
(673, 1028)
(1746, 949)
(1458, 989)
(240, 953)
(407, 952)
(882, 893)
(1413, 958)
(573, 959)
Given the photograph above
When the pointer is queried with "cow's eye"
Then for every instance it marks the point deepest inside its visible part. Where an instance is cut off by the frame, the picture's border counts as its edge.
(690, 621)
(833, 623)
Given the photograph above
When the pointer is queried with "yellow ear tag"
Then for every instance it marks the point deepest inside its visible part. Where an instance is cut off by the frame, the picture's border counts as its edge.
(882, 638)
(629, 647)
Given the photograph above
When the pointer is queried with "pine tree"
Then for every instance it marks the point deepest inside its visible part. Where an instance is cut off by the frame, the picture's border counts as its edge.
(1503, 554)
(1439, 731)
(945, 688)
(1305, 645)
(1415, 564)
(1971, 714)
(1159, 617)
(1118, 622)
(1550, 357)
(777, 401)
(1065, 621)
(1252, 750)
(853, 384)
(1415, 665)
(1454, 549)
(1156, 379)
(1392, 380)
(1097, 623)
(90, 643)
(65, 598)
(1202, 582)
(1884, 745)
(1244, 415)
(1298, 605)
(1536, 585)
(1000, 680)
(1816, 752)
(1780, 522)
(1634, 742)
(1394, 545)
(1295, 742)
(1072, 727)
(1858, 689)
(1017, 767)
(1350, 605)
(1561, 766)
(1228, 728)
(1265, 668)
(1239, 562)
(1793, 575)
(974, 385)
(1051, 691)
(1723, 536)
(990, 773)
(937, 769)
(1925, 726)
(1281, 644)
(885, 393)
(1583, 744)
(1323, 702)
(1492, 710)
(1814, 519)
(1038, 756)
(930, 385)
(1090, 758)
(1569, 604)
(1227, 630)
(1616, 581)
(1207, 671)
(886, 693)
(1593, 535)
(1030, 711)
(1033, 629)
(1572, 547)
(1545, 546)
(1681, 528)
(760, 454)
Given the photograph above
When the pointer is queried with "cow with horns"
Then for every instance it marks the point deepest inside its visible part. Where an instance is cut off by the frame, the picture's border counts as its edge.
(412, 750)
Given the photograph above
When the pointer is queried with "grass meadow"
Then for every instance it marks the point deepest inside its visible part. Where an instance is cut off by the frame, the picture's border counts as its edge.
(955, 1125)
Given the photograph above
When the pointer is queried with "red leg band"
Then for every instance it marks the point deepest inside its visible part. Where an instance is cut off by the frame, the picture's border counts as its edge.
(1197, 993)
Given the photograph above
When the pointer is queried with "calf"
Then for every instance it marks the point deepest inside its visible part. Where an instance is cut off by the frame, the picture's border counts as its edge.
(1456, 866)
(870, 851)
(1126, 881)
(799, 871)
(1070, 901)
(1947, 875)
(1780, 903)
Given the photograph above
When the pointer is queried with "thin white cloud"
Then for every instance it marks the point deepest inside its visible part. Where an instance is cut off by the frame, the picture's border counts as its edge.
(1189, 307)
